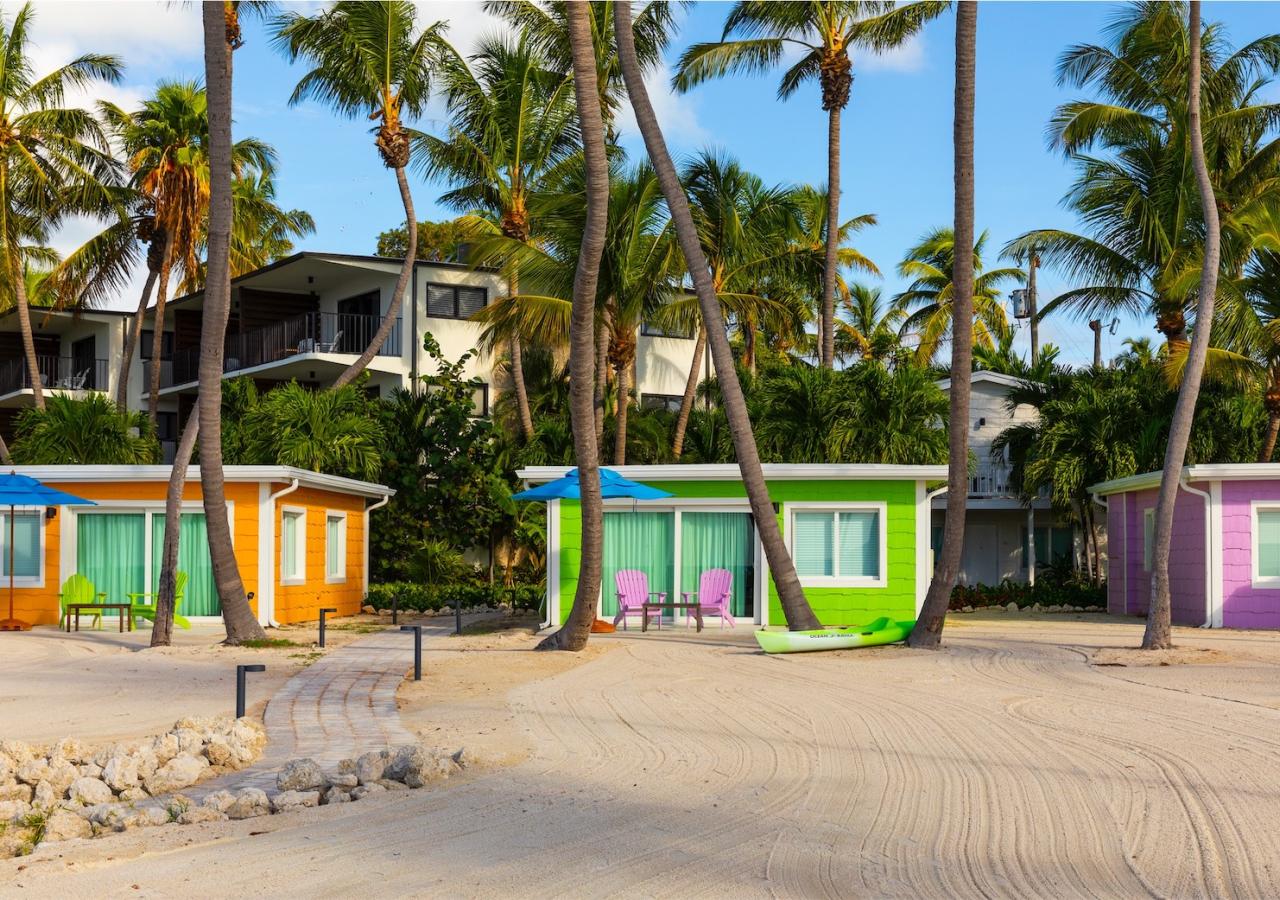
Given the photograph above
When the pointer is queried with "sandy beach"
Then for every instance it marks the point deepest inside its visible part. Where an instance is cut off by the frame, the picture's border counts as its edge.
(1030, 758)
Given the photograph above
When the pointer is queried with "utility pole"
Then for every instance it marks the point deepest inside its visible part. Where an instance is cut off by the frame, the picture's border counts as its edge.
(1033, 263)
(1096, 326)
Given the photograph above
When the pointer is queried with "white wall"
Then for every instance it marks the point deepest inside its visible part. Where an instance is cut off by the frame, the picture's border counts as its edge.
(662, 365)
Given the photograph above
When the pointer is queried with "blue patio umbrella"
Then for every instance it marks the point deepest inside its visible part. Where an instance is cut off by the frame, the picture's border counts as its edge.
(612, 485)
(20, 490)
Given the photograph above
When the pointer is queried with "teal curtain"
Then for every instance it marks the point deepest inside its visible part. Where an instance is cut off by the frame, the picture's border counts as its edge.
(638, 540)
(712, 540)
(814, 543)
(26, 544)
(859, 544)
(111, 552)
(201, 597)
(1268, 543)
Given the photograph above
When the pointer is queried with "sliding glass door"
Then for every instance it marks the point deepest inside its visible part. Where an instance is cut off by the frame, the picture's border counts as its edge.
(113, 551)
(638, 540)
(720, 540)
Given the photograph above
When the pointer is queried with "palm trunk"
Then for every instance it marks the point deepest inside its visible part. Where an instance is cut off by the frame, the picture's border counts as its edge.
(1269, 442)
(516, 352)
(28, 338)
(790, 595)
(157, 337)
(828, 352)
(582, 344)
(620, 420)
(928, 630)
(749, 345)
(402, 285)
(1033, 263)
(133, 336)
(1097, 553)
(4, 452)
(237, 615)
(162, 625)
(1159, 635)
(602, 374)
(690, 392)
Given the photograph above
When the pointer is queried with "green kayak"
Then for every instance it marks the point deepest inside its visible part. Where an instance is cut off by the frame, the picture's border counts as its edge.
(882, 631)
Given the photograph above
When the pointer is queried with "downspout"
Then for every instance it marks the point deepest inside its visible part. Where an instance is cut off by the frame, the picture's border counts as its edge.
(268, 585)
(928, 505)
(386, 498)
(1208, 546)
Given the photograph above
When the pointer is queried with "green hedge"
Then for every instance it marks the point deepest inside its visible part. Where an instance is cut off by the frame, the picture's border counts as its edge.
(1046, 593)
(422, 597)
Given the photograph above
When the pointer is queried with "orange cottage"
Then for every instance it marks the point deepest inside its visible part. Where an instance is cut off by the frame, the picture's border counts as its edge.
(300, 537)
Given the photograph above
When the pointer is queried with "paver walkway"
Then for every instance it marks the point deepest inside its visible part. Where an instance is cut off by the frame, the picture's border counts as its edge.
(340, 706)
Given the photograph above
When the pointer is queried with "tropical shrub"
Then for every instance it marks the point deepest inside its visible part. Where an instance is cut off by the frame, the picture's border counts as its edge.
(92, 431)
(1046, 592)
(417, 597)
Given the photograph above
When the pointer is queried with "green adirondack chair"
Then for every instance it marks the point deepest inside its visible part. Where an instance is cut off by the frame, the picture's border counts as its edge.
(144, 604)
(78, 589)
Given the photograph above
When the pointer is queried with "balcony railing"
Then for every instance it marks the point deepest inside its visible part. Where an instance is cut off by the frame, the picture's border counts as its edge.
(314, 332)
(58, 373)
(993, 480)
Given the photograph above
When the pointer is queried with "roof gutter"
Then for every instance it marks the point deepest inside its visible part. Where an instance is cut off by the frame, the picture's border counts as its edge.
(1184, 483)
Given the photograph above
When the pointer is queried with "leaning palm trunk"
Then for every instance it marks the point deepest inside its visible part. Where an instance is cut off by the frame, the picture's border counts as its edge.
(159, 249)
(237, 615)
(790, 594)
(1158, 635)
(4, 452)
(157, 336)
(602, 374)
(620, 420)
(928, 630)
(402, 284)
(828, 347)
(516, 352)
(582, 362)
(162, 625)
(690, 392)
(28, 339)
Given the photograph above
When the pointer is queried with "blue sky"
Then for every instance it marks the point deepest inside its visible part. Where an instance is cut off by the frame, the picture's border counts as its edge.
(896, 136)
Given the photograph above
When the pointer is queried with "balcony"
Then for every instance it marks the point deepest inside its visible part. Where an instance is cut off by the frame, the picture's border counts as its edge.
(992, 480)
(310, 335)
(57, 373)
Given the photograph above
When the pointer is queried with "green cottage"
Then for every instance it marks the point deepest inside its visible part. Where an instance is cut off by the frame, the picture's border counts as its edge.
(859, 535)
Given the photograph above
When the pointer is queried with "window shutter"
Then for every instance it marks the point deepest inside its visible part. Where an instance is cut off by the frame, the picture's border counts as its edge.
(860, 544)
(813, 544)
(440, 301)
(1269, 543)
(471, 301)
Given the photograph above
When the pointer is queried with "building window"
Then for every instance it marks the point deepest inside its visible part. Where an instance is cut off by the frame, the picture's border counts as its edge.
(293, 546)
(28, 555)
(839, 547)
(481, 401)
(1266, 545)
(147, 339)
(649, 329)
(1148, 537)
(669, 402)
(166, 426)
(1054, 545)
(455, 301)
(335, 547)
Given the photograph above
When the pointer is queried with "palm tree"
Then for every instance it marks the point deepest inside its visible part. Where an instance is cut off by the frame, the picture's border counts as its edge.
(89, 432)
(368, 61)
(1004, 359)
(221, 37)
(927, 632)
(54, 160)
(582, 347)
(795, 608)
(825, 31)
(166, 141)
(1139, 201)
(1158, 634)
(929, 264)
(511, 124)
(868, 327)
(261, 231)
(330, 431)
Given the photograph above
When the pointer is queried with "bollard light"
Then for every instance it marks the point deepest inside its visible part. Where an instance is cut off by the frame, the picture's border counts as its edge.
(240, 673)
(417, 649)
(457, 612)
(323, 613)
(395, 610)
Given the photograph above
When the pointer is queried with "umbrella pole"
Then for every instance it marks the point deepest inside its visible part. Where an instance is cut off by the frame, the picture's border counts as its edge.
(11, 623)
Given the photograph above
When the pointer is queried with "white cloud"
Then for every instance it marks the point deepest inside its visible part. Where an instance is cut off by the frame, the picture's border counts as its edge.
(907, 57)
(677, 113)
(146, 35)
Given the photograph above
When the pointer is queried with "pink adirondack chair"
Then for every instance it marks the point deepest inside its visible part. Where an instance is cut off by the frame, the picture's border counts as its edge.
(715, 588)
(633, 592)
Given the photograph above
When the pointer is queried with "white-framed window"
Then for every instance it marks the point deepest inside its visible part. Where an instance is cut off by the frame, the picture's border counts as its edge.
(293, 545)
(838, 545)
(1148, 537)
(335, 546)
(1266, 544)
(28, 548)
